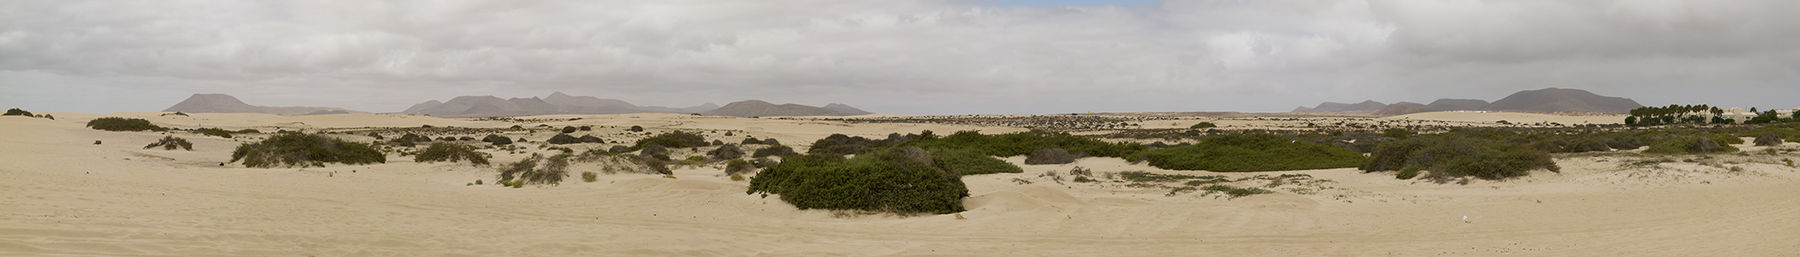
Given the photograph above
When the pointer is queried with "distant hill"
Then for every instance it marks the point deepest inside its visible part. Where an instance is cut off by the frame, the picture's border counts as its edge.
(1402, 108)
(560, 103)
(222, 103)
(1548, 100)
(1448, 104)
(755, 108)
(1370, 105)
(1551, 100)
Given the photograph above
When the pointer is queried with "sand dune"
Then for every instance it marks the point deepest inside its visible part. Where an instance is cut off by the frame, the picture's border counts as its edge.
(66, 196)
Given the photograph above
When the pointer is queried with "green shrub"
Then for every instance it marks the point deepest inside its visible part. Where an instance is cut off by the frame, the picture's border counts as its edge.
(750, 141)
(1023, 143)
(654, 151)
(1486, 154)
(775, 150)
(1768, 140)
(249, 131)
(890, 180)
(1235, 192)
(123, 124)
(589, 176)
(1690, 145)
(1050, 156)
(964, 162)
(451, 152)
(1398, 133)
(304, 150)
(217, 132)
(569, 129)
(563, 139)
(1145, 176)
(497, 139)
(1203, 125)
(676, 139)
(736, 166)
(1408, 172)
(18, 112)
(726, 152)
(1252, 152)
(170, 143)
(636, 128)
(771, 141)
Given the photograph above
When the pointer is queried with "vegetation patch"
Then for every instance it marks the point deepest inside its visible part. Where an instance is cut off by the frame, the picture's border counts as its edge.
(676, 139)
(217, 132)
(18, 112)
(1252, 152)
(726, 152)
(1479, 153)
(304, 150)
(1691, 145)
(451, 152)
(889, 180)
(964, 162)
(123, 124)
(774, 150)
(170, 143)
(1050, 156)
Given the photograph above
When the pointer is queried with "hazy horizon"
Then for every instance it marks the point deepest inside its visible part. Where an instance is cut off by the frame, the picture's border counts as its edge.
(907, 57)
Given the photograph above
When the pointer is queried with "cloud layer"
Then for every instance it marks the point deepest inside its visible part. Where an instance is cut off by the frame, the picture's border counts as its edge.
(917, 57)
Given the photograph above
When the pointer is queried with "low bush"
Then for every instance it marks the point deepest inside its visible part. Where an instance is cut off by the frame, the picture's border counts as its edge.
(771, 141)
(890, 180)
(1252, 152)
(1690, 145)
(451, 152)
(123, 124)
(1235, 192)
(726, 152)
(1398, 133)
(751, 141)
(497, 139)
(563, 139)
(170, 143)
(654, 152)
(636, 128)
(591, 139)
(1145, 176)
(217, 132)
(676, 139)
(1768, 140)
(248, 131)
(964, 162)
(589, 176)
(528, 171)
(736, 166)
(1203, 125)
(1485, 154)
(1050, 156)
(618, 149)
(18, 112)
(775, 150)
(569, 129)
(304, 150)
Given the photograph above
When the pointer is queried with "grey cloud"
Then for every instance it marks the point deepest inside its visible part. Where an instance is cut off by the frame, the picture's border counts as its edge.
(895, 56)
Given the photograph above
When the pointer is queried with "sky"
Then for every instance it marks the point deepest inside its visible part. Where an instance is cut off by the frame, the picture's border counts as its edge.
(908, 57)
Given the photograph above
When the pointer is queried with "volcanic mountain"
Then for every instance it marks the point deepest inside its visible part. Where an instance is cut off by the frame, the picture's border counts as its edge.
(222, 103)
(755, 108)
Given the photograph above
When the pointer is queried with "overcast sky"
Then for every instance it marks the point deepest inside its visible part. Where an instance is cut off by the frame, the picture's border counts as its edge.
(913, 57)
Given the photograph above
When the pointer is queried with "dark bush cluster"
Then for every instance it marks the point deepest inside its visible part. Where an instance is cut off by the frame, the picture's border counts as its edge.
(1050, 156)
(888, 180)
(304, 150)
(123, 124)
(964, 162)
(497, 139)
(1768, 140)
(170, 143)
(726, 152)
(1203, 125)
(18, 112)
(1691, 145)
(217, 132)
(775, 150)
(1485, 154)
(1252, 152)
(567, 139)
(451, 152)
(528, 171)
(636, 128)
(750, 141)
(677, 139)
(738, 166)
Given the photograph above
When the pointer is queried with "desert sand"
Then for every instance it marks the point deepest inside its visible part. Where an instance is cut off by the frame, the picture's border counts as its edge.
(66, 196)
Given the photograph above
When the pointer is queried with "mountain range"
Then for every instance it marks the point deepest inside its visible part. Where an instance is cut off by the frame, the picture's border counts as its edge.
(560, 103)
(222, 103)
(1548, 100)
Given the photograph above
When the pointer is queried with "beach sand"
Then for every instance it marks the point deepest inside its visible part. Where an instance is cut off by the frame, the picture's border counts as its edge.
(66, 196)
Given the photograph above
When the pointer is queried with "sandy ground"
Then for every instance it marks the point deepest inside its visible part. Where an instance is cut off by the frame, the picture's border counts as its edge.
(65, 196)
